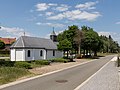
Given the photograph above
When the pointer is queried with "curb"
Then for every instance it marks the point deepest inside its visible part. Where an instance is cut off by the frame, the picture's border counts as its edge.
(24, 80)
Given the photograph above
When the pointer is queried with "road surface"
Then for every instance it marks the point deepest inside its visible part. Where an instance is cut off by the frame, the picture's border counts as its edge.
(67, 79)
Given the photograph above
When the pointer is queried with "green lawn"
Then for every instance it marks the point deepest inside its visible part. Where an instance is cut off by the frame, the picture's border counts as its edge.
(105, 54)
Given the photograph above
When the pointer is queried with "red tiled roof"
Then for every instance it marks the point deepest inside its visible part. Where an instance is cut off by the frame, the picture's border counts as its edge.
(8, 40)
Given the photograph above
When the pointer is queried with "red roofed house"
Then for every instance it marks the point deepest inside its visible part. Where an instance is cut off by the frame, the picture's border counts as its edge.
(8, 42)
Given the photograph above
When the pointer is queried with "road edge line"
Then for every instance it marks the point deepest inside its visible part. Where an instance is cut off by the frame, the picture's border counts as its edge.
(38, 76)
(78, 87)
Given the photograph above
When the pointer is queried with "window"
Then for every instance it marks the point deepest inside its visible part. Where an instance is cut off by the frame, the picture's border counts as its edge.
(28, 54)
(53, 53)
(41, 53)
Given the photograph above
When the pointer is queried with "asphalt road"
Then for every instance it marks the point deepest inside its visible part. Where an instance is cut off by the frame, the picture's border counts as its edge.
(64, 80)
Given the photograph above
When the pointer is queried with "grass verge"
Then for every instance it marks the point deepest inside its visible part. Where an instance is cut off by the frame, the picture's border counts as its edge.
(9, 74)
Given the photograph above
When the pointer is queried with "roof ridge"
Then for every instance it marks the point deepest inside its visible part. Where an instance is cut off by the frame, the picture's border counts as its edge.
(23, 42)
(17, 42)
(37, 37)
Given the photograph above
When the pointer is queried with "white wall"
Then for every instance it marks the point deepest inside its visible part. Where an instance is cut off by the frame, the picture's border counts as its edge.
(22, 54)
(17, 55)
(35, 54)
(58, 54)
(12, 54)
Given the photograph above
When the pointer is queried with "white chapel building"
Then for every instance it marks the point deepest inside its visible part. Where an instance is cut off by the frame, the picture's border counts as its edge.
(33, 48)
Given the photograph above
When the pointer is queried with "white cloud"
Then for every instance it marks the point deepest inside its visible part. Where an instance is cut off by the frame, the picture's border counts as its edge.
(87, 5)
(104, 33)
(117, 22)
(42, 6)
(14, 32)
(51, 24)
(76, 15)
(56, 17)
(62, 8)
(52, 4)
(49, 13)
(80, 12)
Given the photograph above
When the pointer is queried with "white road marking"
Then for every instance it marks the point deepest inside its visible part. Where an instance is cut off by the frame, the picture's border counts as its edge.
(78, 88)
(24, 80)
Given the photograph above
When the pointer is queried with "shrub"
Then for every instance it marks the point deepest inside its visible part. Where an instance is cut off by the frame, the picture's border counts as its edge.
(7, 63)
(59, 60)
(23, 65)
(42, 62)
(65, 57)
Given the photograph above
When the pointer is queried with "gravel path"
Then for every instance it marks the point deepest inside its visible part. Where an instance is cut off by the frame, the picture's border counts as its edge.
(106, 79)
(56, 66)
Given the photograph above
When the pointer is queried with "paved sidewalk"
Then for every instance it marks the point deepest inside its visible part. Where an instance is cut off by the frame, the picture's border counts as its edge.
(106, 79)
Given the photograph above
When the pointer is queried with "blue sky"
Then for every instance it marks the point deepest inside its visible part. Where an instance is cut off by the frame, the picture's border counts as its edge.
(38, 17)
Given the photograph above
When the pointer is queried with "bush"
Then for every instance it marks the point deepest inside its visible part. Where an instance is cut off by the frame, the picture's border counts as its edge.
(59, 60)
(7, 63)
(65, 57)
(23, 64)
(42, 62)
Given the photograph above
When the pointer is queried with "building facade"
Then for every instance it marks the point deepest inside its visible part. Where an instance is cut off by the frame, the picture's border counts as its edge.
(33, 48)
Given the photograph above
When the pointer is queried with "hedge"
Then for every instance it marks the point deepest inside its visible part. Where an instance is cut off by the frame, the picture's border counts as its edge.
(22, 64)
(42, 62)
(7, 63)
(59, 60)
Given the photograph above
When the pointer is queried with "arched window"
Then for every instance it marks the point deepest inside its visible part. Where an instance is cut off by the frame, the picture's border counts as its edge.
(41, 53)
(53, 52)
(28, 53)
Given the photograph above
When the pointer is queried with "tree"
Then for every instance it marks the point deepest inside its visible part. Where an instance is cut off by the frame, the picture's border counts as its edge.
(109, 45)
(65, 45)
(78, 38)
(2, 45)
(71, 36)
(91, 41)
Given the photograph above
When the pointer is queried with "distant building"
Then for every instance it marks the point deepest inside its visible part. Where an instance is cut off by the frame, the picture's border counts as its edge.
(33, 48)
(8, 42)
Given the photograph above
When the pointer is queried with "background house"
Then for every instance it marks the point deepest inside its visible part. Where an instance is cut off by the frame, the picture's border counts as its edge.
(8, 42)
(33, 48)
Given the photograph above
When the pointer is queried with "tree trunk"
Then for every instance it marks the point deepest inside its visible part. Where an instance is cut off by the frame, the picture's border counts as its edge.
(84, 53)
(67, 54)
(79, 49)
(95, 53)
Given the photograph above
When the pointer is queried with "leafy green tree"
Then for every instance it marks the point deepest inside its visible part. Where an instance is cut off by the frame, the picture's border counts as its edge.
(2, 45)
(91, 41)
(71, 35)
(109, 45)
(65, 45)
